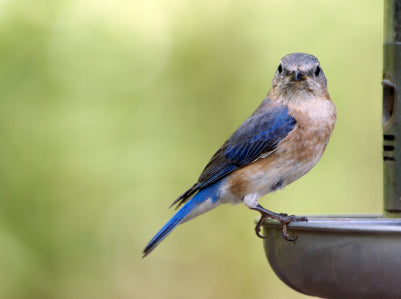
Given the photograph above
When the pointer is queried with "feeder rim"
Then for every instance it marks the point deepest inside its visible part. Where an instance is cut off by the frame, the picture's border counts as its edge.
(344, 223)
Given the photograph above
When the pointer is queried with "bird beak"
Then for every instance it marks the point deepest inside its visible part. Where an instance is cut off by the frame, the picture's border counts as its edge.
(298, 75)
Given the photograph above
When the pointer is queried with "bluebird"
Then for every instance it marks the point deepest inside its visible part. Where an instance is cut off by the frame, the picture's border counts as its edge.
(280, 142)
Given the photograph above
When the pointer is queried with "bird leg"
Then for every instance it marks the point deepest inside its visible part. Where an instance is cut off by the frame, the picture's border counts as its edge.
(284, 219)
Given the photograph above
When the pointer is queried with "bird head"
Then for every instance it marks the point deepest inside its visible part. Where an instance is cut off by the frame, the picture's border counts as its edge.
(299, 72)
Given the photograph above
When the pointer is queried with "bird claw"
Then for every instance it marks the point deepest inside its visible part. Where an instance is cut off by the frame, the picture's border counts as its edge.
(287, 220)
(286, 236)
(284, 219)
(257, 230)
(258, 225)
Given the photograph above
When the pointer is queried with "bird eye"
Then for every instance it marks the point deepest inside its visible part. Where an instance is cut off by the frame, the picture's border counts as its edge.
(317, 71)
(280, 69)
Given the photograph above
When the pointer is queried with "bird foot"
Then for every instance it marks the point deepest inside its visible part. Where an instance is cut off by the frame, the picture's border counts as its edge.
(284, 219)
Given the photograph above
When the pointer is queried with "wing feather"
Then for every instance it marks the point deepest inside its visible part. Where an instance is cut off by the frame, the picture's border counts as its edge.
(256, 137)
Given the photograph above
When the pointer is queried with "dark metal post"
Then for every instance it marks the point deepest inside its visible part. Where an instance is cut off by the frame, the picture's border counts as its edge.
(392, 108)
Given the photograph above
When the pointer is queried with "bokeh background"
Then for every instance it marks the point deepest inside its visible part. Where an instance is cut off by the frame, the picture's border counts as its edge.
(110, 109)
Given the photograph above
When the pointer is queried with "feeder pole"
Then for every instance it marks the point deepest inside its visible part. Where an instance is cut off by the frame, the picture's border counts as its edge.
(392, 108)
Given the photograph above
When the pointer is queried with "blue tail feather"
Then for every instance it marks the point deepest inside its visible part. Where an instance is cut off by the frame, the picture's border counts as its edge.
(200, 197)
(169, 226)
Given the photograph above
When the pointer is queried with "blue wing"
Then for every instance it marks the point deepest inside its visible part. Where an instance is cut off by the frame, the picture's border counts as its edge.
(258, 135)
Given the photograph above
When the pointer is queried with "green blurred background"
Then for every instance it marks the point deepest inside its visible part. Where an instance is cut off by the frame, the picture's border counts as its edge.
(110, 109)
